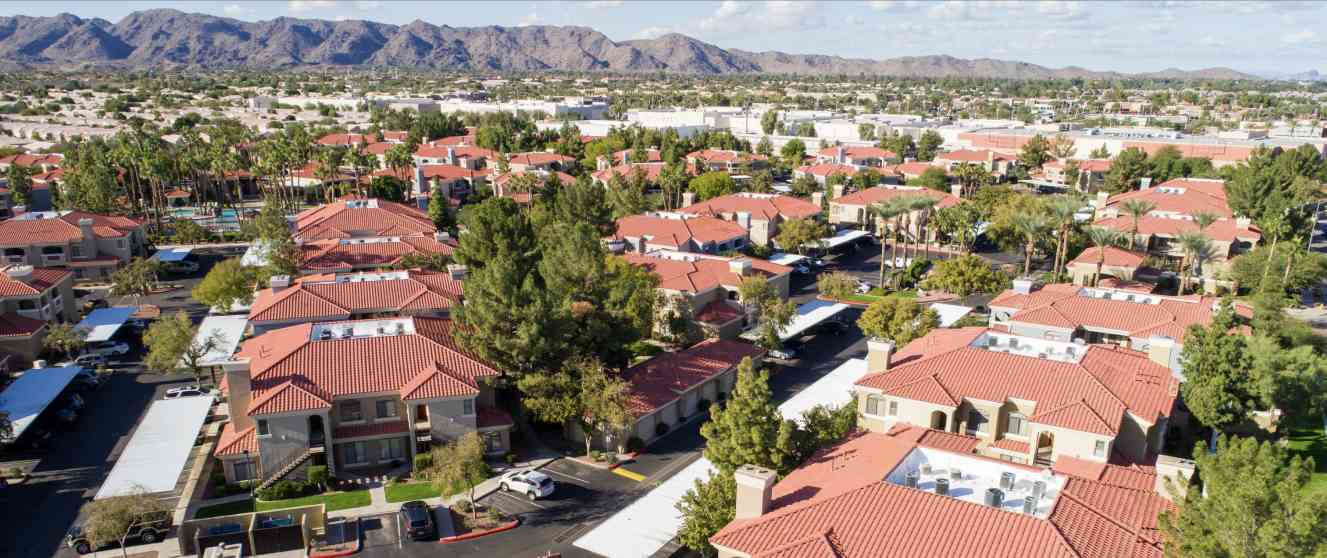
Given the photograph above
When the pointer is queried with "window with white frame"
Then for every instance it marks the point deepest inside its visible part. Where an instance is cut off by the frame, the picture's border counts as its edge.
(386, 409)
(355, 453)
(1017, 424)
(893, 408)
(392, 449)
(873, 405)
(1099, 450)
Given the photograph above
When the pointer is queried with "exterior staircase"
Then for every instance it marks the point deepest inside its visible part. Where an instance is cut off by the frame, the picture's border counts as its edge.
(290, 465)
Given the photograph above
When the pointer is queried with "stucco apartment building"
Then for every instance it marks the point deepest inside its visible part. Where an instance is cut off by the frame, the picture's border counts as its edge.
(857, 156)
(352, 296)
(31, 298)
(1027, 399)
(353, 395)
(726, 160)
(683, 232)
(995, 163)
(854, 210)
(759, 214)
(91, 246)
(1176, 202)
(364, 234)
(709, 286)
(1091, 174)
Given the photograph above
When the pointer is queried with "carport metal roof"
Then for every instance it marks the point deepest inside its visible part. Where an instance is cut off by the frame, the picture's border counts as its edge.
(30, 394)
(950, 314)
(645, 526)
(808, 315)
(102, 323)
(784, 258)
(839, 239)
(228, 329)
(155, 456)
(172, 254)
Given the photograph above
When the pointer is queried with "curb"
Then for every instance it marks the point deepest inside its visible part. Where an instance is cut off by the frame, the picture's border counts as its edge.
(628, 458)
(474, 535)
(359, 544)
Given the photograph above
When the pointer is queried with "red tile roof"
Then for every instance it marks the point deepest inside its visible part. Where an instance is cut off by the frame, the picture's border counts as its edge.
(972, 156)
(828, 169)
(348, 367)
(315, 297)
(293, 393)
(1225, 230)
(379, 148)
(1067, 306)
(14, 325)
(1010, 444)
(1090, 395)
(359, 218)
(538, 158)
(723, 156)
(1115, 256)
(699, 273)
(1180, 195)
(345, 139)
(629, 170)
(452, 172)
(677, 232)
(760, 206)
(232, 442)
(651, 156)
(436, 381)
(912, 169)
(662, 379)
(857, 152)
(350, 254)
(457, 151)
(880, 194)
(377, 428)
(64, 228)
(719, 311)
(32, 159)
(839, 505)
(41, 279)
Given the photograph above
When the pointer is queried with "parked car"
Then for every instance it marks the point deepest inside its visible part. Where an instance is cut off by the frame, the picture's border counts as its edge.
(801, 269)
(107, 349)
(863, 287)
(182, 266)
(184, 391)
(529, 482)
(88, 361)
(417, 519)
(149, 529)
(785, 353)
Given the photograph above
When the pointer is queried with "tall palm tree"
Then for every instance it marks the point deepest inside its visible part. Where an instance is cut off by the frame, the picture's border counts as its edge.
(885, 212)
(971, 177)
(1197, 249)
(1136, 209)
(1060, 210)
(1102, 238)
(1031, 226)
(1205, 219)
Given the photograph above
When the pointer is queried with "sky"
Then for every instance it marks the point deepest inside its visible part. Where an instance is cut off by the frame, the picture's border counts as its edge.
(1131, 36)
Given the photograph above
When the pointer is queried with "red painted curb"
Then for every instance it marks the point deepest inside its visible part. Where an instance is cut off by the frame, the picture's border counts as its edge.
(458, 538)
(339, 553)
(624, 461)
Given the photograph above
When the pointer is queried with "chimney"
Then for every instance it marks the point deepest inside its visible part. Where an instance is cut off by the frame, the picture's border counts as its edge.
(421, 186)
(1175, 472)
(744, 219)
(818, 198)
(688, 199)
(238, 394)
(1024, 285)
(740, 266)
(601, 163)
(1164, 351)
(1243, 222)
(879, 353)
(85, 225)
(754, 485)
(837, 191)
(456, 271)
(279, 283)
(990, 160)
(1100, 202)
(22, 273)
(956, 190)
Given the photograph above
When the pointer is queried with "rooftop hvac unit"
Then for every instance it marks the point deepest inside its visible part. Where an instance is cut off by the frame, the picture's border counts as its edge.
(956, 474)
(994, 497)
(910, 479)
(400, 328)
(1007, 480)
(325, 334)
(926, 468)
(382, 330)
(1029, 505)
(942, 486)
(1038, 489)
(347, 333)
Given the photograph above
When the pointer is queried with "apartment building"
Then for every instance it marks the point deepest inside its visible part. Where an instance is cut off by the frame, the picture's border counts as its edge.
(1027, 399)
(537, 179)
(361, 218)
(727, 160)
(539, 161)
(759, 214)
(683, 232)
(1091, 173)
(857, 156)
(630, 156)
(628, 171)
(998, 164)
(854, 210)
(822, 171)
(907, 492)
(353, 296)
(30, 299)
(708, 285)
(340, 255)
(353, 395)
(91, 246)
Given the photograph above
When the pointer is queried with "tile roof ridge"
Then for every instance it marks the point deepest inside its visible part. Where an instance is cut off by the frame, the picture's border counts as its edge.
(1105, 387)
(449, 349)
(796, 507)
(933, 376)
(1083, 401)
(825, 535)
(235, 439)
(1111, 519)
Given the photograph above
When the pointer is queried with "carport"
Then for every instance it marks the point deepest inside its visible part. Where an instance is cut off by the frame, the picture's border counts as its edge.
(227, 330)
(102, 324)
(808, 315)
(157, 453)
(784, 258)
(839, 240)
(28, 396)
(168, 255)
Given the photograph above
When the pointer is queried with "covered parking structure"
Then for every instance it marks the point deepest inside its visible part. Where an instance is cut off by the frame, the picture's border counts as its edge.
(27, 397)
(840, 239)
(168, 255)
(225, 333)
(103, 323)
(160, 450)
(808, 316)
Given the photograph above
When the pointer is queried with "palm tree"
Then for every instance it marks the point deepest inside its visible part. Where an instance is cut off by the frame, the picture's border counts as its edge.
(921, 207)
(971, 176)
(1137, 209)
(1102, 238)
(1060, 211)
(884, 212)
(1032, 226)
(1205, 219)
(1196, 248)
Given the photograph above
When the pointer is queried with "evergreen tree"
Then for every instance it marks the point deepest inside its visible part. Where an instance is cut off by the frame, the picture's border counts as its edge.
(497, 230)
(440, 212)
(898, 319)
(706, 508)
(747, 429)
(928, 145)
(1217, 387)
(584, 202)
(1126, 170)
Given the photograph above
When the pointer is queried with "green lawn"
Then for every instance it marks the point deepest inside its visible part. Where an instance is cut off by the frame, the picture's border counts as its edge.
(405, 492)
(333, 500)
(879, 294)
(1308, 439)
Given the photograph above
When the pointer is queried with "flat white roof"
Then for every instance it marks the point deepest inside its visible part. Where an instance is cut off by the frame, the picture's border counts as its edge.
(808, 315)
(255, 256)
(784, 258)
(102, 323)
(172, 254)
(839, 239)
(228, 329)
(155, 456)
(975, 476)
(950, 313)
(28, 396)
(649, 523)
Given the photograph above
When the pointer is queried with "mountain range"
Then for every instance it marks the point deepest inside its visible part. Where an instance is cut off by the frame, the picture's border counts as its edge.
(163, 38)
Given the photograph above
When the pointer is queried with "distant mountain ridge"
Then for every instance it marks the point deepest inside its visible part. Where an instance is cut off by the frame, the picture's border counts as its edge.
(169, 38)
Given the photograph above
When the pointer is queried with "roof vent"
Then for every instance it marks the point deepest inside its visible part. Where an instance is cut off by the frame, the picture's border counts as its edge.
(1029, 505)
(348, 332)
(400, 328)
(1039, 489)
(1007, 480)
(956, 473)
(994, 497)
(324, 334)
(910, 480)
(942, 486)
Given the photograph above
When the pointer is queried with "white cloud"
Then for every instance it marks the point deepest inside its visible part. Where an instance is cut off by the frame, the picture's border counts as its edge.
(893, 5)
(299, 6)
(723, 16)
(234, 9)
(531, 18)
(1060, 10)
(1303, 37)
(1211, 42)
(854, 20)
(604, 4)
(651, 33)
(772, 15)
(367, 5)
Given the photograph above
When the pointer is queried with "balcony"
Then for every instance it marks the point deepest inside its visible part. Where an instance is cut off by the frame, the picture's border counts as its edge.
(53, 259)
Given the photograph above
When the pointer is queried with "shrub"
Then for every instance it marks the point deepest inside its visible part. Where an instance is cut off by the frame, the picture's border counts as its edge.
(319, 476)
(423, 461)
(596, 455)
(635, 444)
(660, 429)
(283, 490)
(463, 506)
(510, 458)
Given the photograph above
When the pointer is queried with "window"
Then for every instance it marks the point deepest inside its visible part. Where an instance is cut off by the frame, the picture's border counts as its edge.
(243, 471)
(386, 409)
(262, 427)
(1099, 450)
(351, 412)
(893, 408)
(1017, 422)
(354, 453)
(872, 405)
(977, 421)
(392, 449)
(468, 407)
(77, 250)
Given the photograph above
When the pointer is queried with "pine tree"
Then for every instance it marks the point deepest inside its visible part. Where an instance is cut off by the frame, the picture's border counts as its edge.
(747, 429)
(706, 508)
(1217, 386)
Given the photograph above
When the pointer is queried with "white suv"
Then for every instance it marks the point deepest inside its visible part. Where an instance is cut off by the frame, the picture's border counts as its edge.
(531, 483)
(107, 349)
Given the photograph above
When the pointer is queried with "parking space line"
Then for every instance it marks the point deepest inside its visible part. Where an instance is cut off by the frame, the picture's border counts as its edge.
(623, 472)
(675, 466)
(523, 501)
(573, 478)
